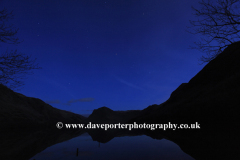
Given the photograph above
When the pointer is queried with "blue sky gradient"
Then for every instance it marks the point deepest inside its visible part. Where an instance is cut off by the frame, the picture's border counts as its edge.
(122, 54)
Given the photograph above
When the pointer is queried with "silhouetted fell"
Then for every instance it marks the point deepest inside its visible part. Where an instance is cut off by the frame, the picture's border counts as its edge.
(19, 111)
(106, 115)
(210, 98)
(222, 67)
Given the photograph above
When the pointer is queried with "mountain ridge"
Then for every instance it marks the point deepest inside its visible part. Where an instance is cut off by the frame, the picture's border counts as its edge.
(210, 97)
(19, 111)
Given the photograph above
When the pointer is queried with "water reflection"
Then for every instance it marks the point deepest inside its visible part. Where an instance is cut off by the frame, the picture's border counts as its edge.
(78, 144)
(24, 144)
(117, 144)
(127, 147)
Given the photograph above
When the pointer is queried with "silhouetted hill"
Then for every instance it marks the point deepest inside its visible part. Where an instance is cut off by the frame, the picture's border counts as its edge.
(106, 115)
(19, 111)
(211, 97)
(224, 66)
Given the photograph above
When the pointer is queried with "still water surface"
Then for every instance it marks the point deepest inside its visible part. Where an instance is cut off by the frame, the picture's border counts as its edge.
(128, 147)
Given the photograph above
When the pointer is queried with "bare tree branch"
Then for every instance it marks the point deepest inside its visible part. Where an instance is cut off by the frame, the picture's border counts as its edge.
(14, 66)
(7, 31)
(219, 22)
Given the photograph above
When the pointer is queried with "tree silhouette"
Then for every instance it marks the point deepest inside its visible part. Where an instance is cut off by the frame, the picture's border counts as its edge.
(218, 21)
(13, 65)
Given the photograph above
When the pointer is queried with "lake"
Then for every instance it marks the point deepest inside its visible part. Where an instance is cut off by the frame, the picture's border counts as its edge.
(127, 147)
(52, 144)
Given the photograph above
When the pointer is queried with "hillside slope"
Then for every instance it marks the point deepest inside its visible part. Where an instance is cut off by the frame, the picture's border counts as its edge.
(19, 111)
(106, 115)
(210, 98)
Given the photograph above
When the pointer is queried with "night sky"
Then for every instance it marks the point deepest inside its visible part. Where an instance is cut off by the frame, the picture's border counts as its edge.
(122, 54)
